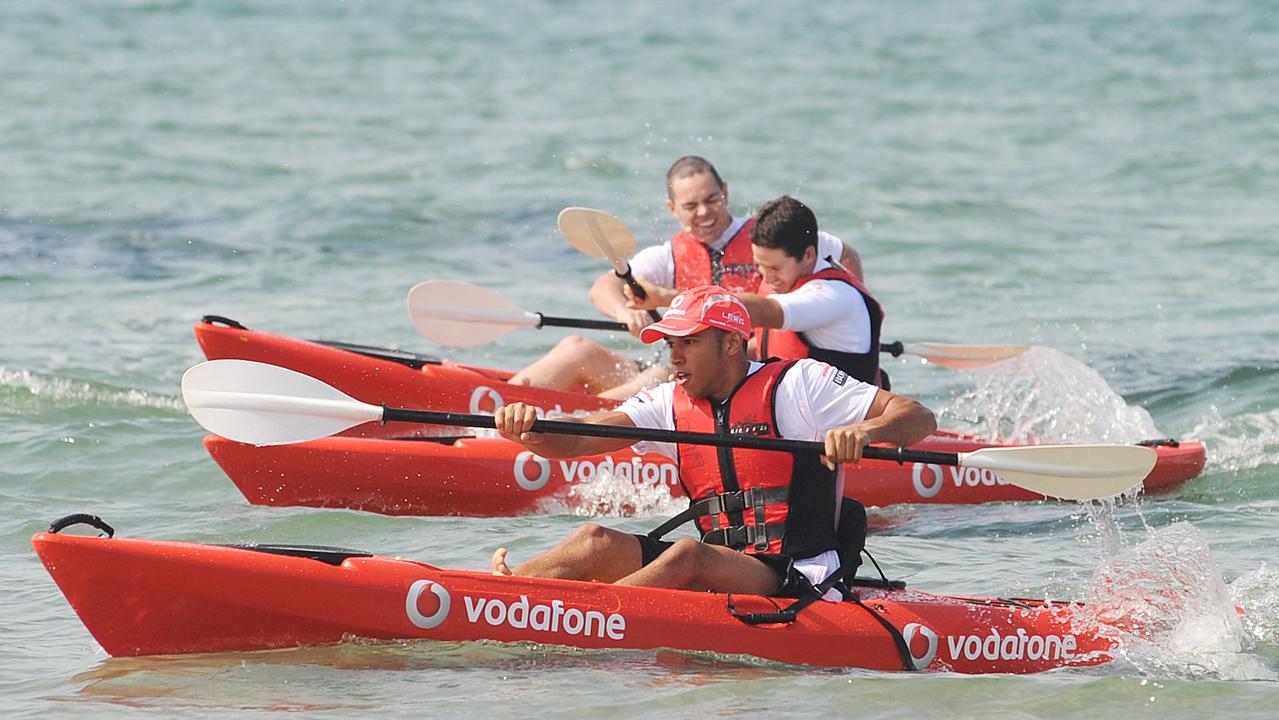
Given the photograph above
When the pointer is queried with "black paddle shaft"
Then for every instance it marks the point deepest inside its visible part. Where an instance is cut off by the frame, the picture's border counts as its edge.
(549, 321)
(898, 454)
(636, 288)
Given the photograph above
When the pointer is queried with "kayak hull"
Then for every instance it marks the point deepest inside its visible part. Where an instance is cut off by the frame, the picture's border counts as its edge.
(140, 597)
(494, 477)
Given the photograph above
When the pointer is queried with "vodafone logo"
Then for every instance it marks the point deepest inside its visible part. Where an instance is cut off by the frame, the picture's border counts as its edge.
(543, 471)
(414, 610)
(532, 472)
(923, 487)
(547, 617)
(485, 400)
(928, 487)
(913, 630)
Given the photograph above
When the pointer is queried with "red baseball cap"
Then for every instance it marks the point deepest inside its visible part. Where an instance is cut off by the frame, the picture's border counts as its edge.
(692, 311)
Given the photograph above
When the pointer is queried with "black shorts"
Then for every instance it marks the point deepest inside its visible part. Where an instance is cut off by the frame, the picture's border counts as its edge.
(792, 583)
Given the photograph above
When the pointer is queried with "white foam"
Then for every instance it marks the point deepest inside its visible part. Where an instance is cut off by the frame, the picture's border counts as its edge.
(1242, 442)
(608, 495)
(46, 392)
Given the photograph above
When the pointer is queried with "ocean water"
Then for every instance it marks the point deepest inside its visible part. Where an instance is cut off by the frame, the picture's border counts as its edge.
(1096, 181)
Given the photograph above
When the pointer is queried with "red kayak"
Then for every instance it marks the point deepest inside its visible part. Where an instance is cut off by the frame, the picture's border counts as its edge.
(448, 475)
(493, 477)
(142, 597)
(383, 376)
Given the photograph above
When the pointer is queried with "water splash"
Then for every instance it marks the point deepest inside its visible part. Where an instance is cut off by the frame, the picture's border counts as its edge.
(1172, 610)
(1258, 594)
(612, 494)
(1048, 396)
(25, 392)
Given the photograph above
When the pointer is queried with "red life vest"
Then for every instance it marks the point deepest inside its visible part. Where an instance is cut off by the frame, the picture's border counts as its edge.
(786, 344)
(757, 501)
(734, 268)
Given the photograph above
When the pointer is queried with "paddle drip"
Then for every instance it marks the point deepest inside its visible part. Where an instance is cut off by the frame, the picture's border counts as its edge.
(1047, 396)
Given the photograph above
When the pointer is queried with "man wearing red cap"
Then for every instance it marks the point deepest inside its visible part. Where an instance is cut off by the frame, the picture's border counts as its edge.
(769, 521)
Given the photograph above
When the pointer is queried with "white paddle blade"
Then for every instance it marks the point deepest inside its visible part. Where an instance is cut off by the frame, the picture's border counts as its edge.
(598, 234)
(262, 404)
(458, 314)
(961, 357)
(1069, 472)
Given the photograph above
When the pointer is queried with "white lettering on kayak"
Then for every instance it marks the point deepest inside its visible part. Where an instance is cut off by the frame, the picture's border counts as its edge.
(543, 471)
(479, 395)
(1012, 646)
(483, 393)
(634, 471)
(972, 477)
(927, 489)
(426, 622)
(532, 471)
(542, 617)
(908, 634)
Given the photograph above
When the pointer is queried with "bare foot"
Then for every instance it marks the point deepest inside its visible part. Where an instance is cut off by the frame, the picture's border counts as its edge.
(499, 562)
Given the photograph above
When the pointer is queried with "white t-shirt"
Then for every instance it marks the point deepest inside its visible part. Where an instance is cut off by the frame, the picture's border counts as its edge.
(830, 313)
(656, 264)
(812, 397)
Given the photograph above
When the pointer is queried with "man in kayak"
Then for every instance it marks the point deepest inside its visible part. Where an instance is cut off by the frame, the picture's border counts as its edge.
(771, 522)
(712, 247)
(807, 306)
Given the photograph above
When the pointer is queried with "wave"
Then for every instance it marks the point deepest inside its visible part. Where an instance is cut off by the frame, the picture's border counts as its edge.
(1240, 443)
(23, 392)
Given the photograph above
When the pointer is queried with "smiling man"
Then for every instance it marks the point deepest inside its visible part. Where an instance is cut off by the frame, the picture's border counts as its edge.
(807, 306)
(772, 523)
(712, 247)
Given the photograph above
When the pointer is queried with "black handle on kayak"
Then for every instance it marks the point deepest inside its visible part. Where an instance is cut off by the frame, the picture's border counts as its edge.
(546, 320)
(899, 455)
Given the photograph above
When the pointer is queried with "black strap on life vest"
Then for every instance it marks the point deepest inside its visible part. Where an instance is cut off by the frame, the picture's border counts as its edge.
(735, 504)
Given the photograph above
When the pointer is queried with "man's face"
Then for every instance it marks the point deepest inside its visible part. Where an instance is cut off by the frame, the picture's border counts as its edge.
(699, 362)
(779, 270)
(700, 206)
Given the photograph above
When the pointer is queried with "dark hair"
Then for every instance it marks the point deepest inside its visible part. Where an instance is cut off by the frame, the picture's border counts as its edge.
(688, 166)
(785, 223)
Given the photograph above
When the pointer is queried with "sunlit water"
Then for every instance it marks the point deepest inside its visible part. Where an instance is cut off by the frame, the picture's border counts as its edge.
(1096, 182)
